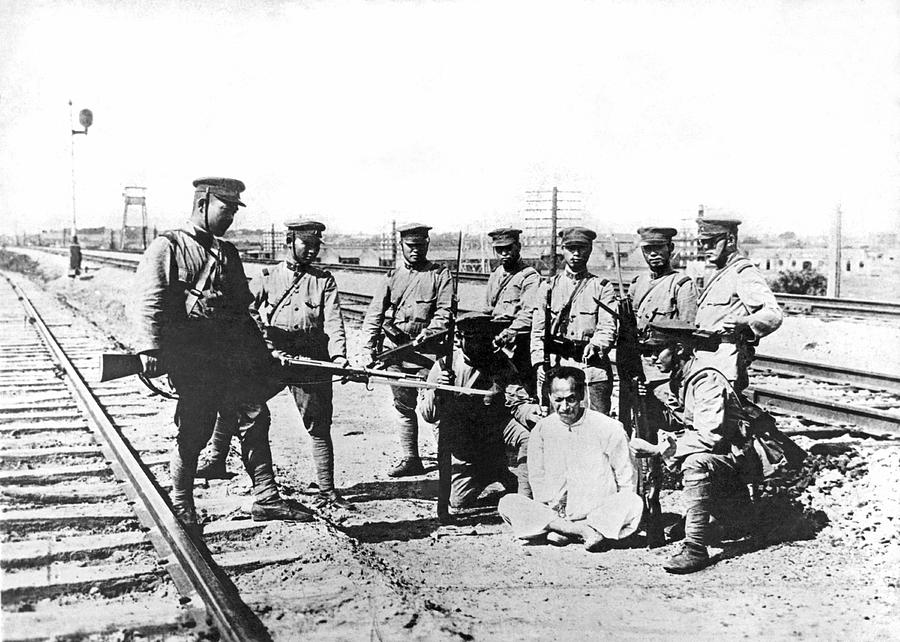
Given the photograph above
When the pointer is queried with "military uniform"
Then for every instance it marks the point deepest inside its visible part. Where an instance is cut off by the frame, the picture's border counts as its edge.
(655, 296)
(510, 299)
(191, 310)
(411, 301)
(301, 315)
(480, 428)
(578, 316)
(704, 450)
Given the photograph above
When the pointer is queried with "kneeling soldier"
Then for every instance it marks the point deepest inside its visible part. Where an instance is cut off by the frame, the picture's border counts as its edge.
(480, 428)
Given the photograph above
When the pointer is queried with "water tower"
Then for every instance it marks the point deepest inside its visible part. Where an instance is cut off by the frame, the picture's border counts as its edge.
(134, 235)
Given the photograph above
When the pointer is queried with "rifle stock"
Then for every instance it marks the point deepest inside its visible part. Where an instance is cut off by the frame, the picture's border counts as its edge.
(633, 415)
(116, 366)
(443, 447)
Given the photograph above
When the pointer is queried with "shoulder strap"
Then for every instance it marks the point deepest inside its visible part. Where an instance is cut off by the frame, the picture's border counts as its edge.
(284, 296)
(503, 283)
(637, 305)
(196, 290)
(564, 311)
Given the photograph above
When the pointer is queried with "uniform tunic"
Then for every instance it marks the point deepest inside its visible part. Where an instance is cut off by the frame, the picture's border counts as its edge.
(510, 296)
(479, 428)
(215, 356)
(737, 289)
(300, 313)
(580, 472)
(412, 299)
(586, 321)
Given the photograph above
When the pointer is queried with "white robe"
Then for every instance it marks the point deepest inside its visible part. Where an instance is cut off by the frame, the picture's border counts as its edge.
(580, 472)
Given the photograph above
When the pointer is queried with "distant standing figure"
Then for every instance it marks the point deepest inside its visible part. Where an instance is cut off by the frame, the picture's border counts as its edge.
(74, 257)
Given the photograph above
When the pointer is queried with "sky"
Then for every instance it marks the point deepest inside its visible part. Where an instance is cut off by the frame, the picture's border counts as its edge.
(452, 113)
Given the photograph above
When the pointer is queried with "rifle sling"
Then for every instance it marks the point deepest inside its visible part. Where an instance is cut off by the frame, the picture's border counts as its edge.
(284, 296)
(194, 293)
(564, 311)
(503, 283)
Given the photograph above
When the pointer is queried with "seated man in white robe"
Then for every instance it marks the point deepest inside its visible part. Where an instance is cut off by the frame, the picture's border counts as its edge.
(582, 474)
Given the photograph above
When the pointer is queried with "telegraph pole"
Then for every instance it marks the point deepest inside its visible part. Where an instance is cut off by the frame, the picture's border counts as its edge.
(834, 280)
(555, 218)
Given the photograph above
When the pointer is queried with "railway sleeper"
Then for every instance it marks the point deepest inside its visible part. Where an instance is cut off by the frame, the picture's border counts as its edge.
(55, 474)
(150, 619)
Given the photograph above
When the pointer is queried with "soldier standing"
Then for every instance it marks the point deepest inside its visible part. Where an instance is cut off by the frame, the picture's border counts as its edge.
(412, 303)
(298, 309)
(192, 313)
(659, 294)
(582, 328)
(510, 298)
(737, 305)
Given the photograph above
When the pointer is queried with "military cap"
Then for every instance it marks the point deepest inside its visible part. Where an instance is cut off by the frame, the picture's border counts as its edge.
(577, 236)
(478, 323)
(305, 229)
(665, 331)
(225, 189)
(504, 236)
(414, 232)
(710, 227)
(656, 235)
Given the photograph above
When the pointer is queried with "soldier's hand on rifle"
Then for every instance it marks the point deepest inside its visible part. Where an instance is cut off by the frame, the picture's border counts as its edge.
(540, 375)
(591, 350)
(281, 356)
(445, 378)
(150, 364)
(506, 337)
(422, 337)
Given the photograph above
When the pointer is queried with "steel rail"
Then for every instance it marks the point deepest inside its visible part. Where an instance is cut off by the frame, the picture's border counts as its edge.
(826, 411)
(194, 571)
(823, 372)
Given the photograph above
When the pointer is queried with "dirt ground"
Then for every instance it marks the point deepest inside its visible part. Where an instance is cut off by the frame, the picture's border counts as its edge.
(825, 564)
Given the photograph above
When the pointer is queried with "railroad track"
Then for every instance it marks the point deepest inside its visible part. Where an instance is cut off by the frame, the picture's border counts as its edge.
(791, 303)
(84, 512)
(880, 416)
(90, 544)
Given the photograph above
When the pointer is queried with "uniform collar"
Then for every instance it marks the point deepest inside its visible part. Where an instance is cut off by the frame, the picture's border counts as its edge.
(203, 236)
(420, 268)
(575, 276)
(296, 267)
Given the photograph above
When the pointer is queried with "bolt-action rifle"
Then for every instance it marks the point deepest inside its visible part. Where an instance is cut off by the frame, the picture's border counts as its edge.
(115, 366)
(445, 358)
(633, 411)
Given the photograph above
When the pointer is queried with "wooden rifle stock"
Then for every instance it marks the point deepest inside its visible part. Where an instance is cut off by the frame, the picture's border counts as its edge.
(444, 460)
(116, 366)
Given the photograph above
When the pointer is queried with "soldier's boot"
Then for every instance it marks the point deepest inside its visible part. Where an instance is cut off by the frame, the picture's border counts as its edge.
(280, 509)
(410, 464)
(407, 467)
(693, 555)
(333, 499)
(187, 515)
